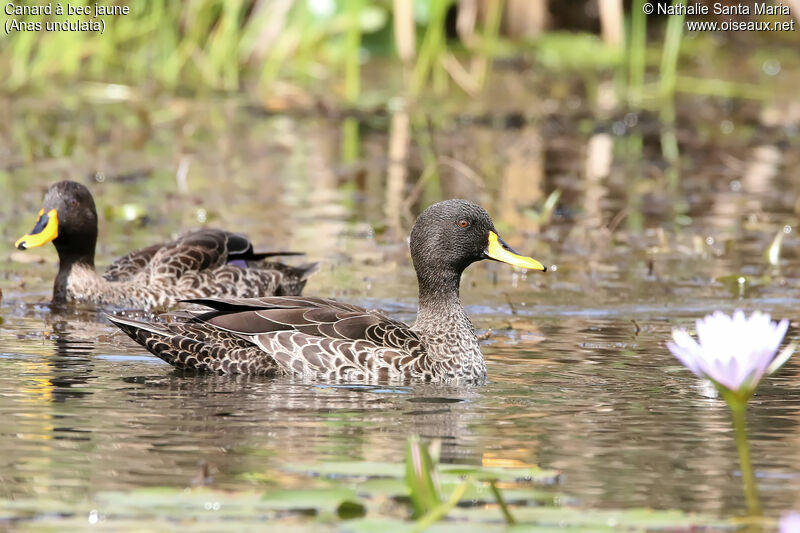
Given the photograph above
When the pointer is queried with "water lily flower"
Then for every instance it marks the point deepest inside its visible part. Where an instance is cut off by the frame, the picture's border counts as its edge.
(790, 523)
(734, 352)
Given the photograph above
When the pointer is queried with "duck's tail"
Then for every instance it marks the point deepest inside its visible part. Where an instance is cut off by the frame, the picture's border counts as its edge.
(294, 277)
(156, 337)
(131, 325)
(195, 346)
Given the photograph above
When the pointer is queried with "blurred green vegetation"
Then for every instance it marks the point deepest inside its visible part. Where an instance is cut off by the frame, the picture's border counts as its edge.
(216, 45)
(202, 46)
(320, 46)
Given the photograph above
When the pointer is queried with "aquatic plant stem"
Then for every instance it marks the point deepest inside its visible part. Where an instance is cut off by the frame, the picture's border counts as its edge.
(739, 414)
(502, 503)
(421, 478)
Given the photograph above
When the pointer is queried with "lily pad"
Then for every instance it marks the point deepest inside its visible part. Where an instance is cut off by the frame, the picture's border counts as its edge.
(629, 519)
(342, 501)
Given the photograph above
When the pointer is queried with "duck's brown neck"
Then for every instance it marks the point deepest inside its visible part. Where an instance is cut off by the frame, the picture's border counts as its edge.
(66, 263)
(438, 290)
(447, 331)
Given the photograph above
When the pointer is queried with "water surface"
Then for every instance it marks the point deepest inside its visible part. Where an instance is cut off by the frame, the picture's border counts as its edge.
(580, 378)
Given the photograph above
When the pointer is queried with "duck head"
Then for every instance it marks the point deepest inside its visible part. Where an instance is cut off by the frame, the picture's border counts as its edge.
(68, 218)
(451, 235)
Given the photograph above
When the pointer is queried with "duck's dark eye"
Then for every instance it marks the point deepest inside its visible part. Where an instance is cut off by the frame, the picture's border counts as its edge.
(73, 202)
(463, 223)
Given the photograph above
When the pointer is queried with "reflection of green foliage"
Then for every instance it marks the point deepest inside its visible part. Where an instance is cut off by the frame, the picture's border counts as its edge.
(575, 51)
(543, 216)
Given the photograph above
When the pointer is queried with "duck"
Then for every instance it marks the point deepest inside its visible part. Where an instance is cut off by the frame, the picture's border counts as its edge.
(325, 339)
(200, 264)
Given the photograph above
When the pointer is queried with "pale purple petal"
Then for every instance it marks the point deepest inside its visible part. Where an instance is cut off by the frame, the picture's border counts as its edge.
(726, 372)
(686, 357)
(685, 349)
(790, 523)
(780, 332)
(782, 357)
(684, 340)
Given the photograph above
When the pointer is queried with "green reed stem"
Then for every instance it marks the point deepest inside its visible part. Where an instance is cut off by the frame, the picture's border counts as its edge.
(637, 59)
(352, 79)
(669, 54)
(352, 73)
(669, 67)
(491, 31)
(432, 48)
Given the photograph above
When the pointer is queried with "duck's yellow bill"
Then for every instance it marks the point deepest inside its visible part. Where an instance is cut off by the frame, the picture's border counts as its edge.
(500, 251)
(45, 230)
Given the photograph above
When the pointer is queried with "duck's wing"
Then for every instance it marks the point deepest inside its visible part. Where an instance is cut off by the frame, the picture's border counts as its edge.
(128, 266)
(313, 316)
(207, 262)
(285, 335)
(198, 250)
(194, 252)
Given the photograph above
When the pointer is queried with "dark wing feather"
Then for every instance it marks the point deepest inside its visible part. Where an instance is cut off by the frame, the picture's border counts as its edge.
(198, 251)
(195, 251)
(240, 248)
(273, 302)
(317, 317)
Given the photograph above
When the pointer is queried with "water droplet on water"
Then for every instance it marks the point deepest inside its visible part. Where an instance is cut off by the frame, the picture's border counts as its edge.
(736, 185)
(202, 215)
(710, 241)
(726, 127)
(771, 67)
(94, 517)
(787, 229)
